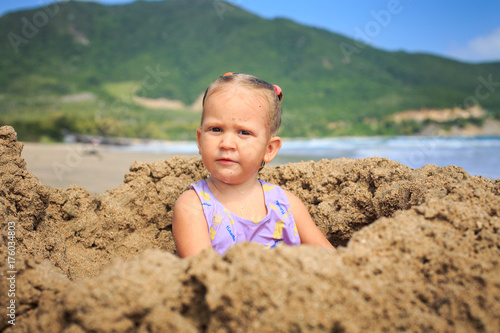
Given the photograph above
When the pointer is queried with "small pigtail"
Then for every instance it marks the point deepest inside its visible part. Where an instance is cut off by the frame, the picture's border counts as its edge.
(278, 92)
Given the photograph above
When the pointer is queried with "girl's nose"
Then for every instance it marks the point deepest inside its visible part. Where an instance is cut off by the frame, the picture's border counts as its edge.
(227, 141)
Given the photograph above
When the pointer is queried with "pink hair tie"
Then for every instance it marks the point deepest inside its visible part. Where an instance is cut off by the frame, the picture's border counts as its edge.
(228, 73)
(278, 91)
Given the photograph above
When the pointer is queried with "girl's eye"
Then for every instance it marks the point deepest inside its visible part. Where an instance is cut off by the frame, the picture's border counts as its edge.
(215, 129)
(245, 132)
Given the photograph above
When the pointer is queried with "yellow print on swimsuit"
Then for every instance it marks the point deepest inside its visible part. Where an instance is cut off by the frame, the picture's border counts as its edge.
(229, 216)
(278, 229)
(267, 187)
(217, 219)
(205, 196)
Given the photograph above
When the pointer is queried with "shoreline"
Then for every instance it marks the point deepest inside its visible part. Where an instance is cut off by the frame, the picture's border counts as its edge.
(98, 168)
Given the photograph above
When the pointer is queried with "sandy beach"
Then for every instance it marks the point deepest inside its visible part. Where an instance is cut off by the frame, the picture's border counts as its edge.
(95, 168)
(416, 250)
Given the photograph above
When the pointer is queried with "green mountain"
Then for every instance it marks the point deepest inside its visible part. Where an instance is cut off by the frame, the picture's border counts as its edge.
(79, 66)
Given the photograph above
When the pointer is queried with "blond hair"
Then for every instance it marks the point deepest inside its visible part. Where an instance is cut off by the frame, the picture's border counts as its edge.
(269, 91)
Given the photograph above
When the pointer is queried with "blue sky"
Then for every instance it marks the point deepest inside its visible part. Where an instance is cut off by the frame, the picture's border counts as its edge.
(467, 30)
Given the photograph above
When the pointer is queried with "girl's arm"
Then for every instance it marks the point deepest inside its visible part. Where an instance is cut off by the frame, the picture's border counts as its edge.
(189, 227)
(308, 231)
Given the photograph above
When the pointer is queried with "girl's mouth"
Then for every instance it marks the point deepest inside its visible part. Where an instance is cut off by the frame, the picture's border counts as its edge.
(225, 160)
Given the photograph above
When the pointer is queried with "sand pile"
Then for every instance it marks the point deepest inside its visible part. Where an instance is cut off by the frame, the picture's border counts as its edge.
(417, 250)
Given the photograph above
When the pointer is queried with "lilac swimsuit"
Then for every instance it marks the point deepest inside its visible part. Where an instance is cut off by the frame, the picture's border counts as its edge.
(226, 228)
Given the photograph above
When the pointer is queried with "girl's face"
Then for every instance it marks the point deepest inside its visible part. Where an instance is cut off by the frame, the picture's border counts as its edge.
(233, 138)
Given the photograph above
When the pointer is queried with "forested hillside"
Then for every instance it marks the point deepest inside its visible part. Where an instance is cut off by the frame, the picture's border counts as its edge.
(80, 66)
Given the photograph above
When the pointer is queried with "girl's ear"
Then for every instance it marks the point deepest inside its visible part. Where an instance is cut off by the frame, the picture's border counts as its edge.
(198, 139)
(273, 146)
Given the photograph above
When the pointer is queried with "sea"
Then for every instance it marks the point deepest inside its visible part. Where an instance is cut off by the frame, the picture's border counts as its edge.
(479, 156)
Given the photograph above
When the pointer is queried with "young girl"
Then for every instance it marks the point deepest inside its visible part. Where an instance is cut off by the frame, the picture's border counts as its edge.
(237, 136)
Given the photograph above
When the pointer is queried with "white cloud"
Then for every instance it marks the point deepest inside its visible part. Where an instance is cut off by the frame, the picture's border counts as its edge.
(481, 48)
(487, 46)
